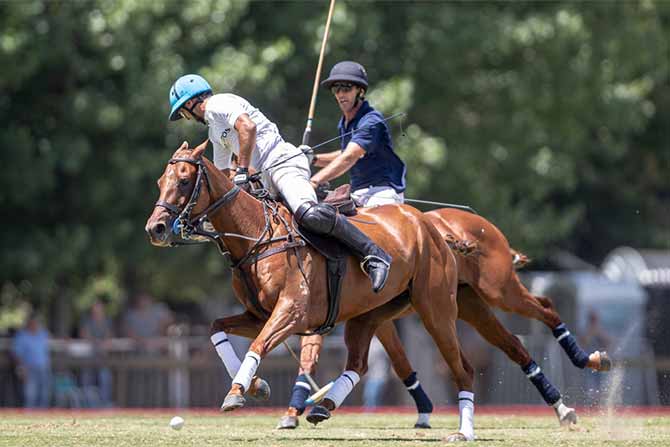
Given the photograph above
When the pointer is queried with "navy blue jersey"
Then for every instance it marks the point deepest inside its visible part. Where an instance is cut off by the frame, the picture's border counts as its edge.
(380, 166)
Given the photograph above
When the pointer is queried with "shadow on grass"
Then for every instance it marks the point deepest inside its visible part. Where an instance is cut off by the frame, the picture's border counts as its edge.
(390, 438)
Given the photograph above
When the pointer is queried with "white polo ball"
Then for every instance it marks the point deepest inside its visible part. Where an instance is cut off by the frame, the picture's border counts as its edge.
(177, 422)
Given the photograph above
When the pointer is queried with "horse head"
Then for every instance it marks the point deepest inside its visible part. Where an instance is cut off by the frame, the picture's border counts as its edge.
(181, 195)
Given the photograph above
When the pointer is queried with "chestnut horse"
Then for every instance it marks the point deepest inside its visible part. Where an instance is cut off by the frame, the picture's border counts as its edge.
(488, 279)
(289, 277)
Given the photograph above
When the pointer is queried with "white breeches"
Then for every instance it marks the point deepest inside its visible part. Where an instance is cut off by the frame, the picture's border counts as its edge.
(291, 178)
(376, 196)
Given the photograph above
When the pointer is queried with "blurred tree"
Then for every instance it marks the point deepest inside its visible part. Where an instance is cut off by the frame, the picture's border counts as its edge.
(548, 118)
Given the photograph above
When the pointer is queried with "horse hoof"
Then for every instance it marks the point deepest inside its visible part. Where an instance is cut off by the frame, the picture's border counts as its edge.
(456, 437)
(259, 389)
(569, 418)
(232, 402)
(288, 423)
(605, 362)
(318, 414)
(422, 425)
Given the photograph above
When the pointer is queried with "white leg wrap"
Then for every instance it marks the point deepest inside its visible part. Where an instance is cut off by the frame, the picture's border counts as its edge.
(466, 408)
(342, 387)
(247, 370)
(561, 409)
(226, 352)
(424, 418)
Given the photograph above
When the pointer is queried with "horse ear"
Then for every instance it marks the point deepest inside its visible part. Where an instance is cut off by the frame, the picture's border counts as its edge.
(184, 146)
(198, 151)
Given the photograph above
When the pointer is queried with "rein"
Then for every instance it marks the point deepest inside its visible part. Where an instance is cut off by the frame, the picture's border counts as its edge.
(186, 226)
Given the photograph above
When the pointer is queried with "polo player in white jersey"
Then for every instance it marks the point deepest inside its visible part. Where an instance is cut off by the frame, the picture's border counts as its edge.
(237, 127)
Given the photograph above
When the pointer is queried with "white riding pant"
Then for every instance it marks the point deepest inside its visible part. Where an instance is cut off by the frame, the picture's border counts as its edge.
(376, 196)
(291, 178)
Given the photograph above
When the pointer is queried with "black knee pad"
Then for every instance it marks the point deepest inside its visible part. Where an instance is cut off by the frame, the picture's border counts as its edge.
(319, 218)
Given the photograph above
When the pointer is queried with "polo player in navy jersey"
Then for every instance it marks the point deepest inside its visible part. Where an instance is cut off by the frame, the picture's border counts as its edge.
(377, 178)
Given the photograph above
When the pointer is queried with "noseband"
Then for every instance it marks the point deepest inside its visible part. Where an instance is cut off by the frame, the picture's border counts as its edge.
(184, 225)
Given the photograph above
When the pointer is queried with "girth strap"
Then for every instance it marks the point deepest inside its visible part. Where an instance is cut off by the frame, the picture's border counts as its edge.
(273, 251)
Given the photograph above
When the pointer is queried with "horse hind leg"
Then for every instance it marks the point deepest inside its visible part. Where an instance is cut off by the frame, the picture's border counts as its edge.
(388, 336)
(519, 300)
(473, 310)
(597, 360)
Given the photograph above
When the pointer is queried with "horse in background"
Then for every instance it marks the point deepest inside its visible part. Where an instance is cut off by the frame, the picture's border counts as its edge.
(487, 277)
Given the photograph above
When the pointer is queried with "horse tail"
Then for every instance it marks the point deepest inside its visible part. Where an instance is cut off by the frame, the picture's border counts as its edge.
(519, 260)
(463, 247)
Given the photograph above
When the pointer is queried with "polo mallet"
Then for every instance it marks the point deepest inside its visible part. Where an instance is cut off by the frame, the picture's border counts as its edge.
(315, 89)
(319, 392)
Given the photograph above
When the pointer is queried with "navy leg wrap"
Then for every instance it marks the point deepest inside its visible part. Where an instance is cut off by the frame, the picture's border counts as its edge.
(549, 393)
(300, 393)
(569, 344)
(423, 403)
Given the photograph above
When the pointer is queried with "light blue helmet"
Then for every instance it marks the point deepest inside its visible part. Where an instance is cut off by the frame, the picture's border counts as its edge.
(185, 88)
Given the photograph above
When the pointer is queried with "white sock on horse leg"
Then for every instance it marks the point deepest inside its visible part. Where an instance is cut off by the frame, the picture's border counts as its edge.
(342, 387)
(561, 409)
(423, 418)
(247, 370)
(466, 408)
(226, 352)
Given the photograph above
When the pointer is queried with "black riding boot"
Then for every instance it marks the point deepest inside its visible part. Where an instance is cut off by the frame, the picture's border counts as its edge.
(375, 262)
(324, 219)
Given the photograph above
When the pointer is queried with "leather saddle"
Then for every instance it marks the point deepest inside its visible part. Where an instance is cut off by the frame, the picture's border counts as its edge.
(341, 199)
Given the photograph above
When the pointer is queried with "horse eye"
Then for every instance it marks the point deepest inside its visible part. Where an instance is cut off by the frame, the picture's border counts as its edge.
(184, 182)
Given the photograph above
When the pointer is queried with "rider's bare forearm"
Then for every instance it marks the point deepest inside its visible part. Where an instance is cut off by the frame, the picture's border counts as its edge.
(322, 160)
(334, 169)
(246, 130)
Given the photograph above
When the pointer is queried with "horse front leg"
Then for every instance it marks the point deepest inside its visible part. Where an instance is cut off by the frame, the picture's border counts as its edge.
(245, 325)
(310, 348)
(357, 336)
(288, 317)
(358, 333)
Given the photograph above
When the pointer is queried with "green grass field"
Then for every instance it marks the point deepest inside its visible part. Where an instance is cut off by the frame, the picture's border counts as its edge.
(135, 429)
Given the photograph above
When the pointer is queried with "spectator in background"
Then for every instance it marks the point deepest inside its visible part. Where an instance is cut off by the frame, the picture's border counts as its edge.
(146, 320)
(33, 364)
(16, 385)
(96, 327)
(378, 373)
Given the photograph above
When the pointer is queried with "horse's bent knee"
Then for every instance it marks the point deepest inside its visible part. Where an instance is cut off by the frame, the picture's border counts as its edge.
(216, 326)
(308, 366)
(546, 302)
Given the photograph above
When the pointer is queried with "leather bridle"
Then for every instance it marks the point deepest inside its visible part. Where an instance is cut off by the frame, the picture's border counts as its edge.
(184, 224)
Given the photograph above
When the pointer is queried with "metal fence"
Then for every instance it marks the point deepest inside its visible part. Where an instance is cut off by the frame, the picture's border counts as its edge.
(170, 372)
(186, 372)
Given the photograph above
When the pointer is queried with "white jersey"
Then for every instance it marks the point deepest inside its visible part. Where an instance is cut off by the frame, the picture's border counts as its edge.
(221, 112)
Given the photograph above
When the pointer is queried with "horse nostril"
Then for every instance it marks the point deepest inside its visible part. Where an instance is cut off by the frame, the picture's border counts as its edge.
(159, 229)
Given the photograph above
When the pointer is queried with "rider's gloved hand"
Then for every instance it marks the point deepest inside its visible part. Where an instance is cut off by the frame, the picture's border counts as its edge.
(308, 151)
(242, 176)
